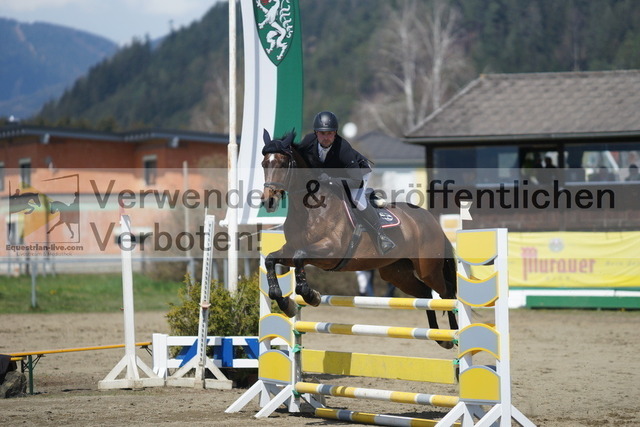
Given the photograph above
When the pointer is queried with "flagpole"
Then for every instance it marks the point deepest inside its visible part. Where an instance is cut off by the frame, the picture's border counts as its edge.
(232, 153)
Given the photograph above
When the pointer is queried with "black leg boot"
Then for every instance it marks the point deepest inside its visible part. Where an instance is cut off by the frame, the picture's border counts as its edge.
(372, 221)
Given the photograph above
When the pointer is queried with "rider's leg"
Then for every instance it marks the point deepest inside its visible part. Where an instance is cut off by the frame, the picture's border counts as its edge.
(372, 221)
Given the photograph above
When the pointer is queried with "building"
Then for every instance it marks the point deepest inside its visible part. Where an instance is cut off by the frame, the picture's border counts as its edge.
(550, 156)
(503, 128)
(398, 167)
(63, 190)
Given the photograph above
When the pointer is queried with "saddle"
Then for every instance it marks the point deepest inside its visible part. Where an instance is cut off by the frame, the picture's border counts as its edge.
(386, 218)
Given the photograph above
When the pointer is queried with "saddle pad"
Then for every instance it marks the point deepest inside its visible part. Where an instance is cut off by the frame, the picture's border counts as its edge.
(387, 218)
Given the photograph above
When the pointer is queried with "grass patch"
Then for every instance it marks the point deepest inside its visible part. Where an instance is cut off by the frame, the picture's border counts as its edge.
(83, 293)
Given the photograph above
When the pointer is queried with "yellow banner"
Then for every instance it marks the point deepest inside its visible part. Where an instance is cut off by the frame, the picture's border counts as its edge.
(574, 259)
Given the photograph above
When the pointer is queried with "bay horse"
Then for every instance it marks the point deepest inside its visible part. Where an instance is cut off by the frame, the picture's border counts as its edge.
(319, 231)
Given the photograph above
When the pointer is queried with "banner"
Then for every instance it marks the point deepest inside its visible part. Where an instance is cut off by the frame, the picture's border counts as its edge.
(273, 90)
(574, 259)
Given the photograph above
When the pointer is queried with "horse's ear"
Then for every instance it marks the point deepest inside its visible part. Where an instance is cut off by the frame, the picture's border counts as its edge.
(266, 137)
(289, 139)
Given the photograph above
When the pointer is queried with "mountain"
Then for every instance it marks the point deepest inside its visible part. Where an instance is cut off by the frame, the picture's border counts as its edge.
(39, 61)
(182, 83)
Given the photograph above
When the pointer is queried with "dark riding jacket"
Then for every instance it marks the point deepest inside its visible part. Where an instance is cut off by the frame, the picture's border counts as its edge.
(342, 160)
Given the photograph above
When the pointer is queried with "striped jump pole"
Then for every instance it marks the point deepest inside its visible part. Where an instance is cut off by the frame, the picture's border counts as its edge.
(377, 331)
(377, 419)
(377, 394)
(386, 302)
(480, 386)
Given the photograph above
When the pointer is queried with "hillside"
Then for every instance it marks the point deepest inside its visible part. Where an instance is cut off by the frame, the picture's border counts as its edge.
(38, 61)
(182, 83)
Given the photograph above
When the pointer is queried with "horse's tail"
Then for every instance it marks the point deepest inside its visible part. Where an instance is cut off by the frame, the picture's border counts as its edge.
(450, 269)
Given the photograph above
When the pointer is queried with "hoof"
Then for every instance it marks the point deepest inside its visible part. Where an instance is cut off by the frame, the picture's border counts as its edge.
(288, 306)
(275, 293)
(446, 344)
(313, 298)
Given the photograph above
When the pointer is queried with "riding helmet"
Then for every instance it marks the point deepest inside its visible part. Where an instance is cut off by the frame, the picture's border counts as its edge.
(325, 121)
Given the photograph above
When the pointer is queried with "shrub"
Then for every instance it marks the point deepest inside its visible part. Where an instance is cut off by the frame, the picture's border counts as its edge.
(228, 315)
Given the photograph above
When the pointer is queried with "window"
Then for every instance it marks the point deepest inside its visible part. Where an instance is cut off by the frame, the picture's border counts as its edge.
(150, 165)
(476, 165)
(25, 172)
(603, 162)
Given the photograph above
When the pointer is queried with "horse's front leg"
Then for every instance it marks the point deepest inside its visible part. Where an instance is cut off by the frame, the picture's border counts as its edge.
(287, 305)
(310, 296)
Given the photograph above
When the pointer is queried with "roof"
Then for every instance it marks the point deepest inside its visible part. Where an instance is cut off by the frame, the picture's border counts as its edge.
(15, 130)
(384, 150)
(538, 104)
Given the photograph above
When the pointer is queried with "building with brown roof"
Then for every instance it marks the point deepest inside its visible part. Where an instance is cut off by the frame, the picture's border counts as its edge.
(64, 189)
(501, 130)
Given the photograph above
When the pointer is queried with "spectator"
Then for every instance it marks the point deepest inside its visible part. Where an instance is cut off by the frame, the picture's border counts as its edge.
(601, 175)
(391, 290)
(365, 282)
(633, 173)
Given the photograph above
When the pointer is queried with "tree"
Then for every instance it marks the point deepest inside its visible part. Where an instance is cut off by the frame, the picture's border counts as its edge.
(212, 115)
(419, 56)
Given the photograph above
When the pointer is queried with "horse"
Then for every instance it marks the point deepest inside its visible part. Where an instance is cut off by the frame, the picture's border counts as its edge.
(26, 202)
(319, 231)
(69, 214)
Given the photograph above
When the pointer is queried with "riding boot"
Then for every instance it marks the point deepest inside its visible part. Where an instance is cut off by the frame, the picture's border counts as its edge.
(372, 222)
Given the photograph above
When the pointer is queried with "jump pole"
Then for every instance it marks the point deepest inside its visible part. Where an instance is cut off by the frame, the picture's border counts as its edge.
(278, 382)
(130, 362)
(201, 363)
(480, 385)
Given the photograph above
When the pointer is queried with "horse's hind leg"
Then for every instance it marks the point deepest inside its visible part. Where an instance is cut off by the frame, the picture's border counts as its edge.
(441, 277)
(310, 296)
(401, 275)
(70, 230)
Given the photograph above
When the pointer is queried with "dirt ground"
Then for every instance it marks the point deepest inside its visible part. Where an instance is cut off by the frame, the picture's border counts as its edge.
(569, 368)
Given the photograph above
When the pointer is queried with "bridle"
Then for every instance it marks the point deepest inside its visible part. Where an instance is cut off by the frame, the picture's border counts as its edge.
(276, 186)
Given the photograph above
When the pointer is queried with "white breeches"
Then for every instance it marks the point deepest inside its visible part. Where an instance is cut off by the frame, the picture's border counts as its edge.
(358, 195)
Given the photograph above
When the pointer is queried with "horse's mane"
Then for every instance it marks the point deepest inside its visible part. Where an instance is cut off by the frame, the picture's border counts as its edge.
(302, 162)
(24, 195)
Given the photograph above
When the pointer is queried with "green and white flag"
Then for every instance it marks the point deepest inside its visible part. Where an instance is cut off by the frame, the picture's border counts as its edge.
(273, 90)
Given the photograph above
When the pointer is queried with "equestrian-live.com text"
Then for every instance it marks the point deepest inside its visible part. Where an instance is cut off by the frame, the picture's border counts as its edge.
(36, 247)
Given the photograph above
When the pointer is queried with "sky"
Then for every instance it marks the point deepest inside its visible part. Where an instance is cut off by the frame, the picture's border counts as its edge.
(118, 20)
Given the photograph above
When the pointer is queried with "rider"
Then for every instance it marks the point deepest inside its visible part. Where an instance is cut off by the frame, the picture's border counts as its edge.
(324, 148)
